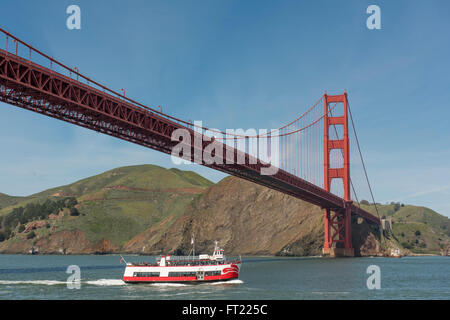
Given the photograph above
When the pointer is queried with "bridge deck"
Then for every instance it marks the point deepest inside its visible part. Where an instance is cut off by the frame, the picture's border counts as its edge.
(33, 87)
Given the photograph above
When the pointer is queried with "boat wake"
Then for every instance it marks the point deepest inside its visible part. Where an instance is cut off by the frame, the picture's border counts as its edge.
(168, 284)
(105, 282)
(109, 282)
(236, 281)
(99, 282)
(38, 282)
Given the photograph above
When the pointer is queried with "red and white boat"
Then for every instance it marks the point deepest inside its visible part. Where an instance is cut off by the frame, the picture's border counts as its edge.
(184, 269)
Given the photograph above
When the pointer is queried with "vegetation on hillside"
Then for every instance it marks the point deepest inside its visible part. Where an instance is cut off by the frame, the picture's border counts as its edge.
(20, 216)
(114, 205)
(418, 229)
(137, 207)
(7, 200)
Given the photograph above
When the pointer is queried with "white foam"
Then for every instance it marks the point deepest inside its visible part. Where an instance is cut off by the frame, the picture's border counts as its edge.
(99, 282)
(106, 282)
(39, 282)
(109, 282)
(236, 281)
(168, 284)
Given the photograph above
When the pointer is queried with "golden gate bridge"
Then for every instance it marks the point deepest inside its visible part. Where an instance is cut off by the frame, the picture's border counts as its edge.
(314, 149)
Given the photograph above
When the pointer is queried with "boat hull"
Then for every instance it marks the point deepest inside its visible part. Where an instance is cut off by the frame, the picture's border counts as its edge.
(198, 274)
(186, 280)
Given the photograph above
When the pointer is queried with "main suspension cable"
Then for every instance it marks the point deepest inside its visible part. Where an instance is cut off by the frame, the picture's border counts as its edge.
(362, 160)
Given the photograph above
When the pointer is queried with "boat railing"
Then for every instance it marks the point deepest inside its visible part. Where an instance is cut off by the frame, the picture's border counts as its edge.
(182, 258)
(233, 260)
(143, 264)
(188, 259)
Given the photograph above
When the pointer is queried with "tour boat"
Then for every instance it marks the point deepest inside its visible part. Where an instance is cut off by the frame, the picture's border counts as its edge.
(395, 253)
(184, 269)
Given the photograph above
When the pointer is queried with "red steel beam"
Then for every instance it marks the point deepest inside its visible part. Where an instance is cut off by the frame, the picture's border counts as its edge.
(33, 87)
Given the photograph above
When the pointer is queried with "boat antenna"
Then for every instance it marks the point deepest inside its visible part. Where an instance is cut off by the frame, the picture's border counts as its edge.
(193, 245)
(122, 258)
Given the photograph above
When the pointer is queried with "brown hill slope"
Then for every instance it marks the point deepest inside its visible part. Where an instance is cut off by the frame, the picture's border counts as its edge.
(151, 210)
(247, 219)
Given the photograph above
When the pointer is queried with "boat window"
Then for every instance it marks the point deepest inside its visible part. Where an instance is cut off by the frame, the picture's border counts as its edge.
(146, 274)
(181, 274)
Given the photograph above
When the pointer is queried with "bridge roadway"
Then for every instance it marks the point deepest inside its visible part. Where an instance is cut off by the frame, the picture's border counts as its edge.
(28, 85)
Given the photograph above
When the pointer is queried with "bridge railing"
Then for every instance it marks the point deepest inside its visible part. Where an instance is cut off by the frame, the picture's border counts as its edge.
(21, 49)
(288, 177)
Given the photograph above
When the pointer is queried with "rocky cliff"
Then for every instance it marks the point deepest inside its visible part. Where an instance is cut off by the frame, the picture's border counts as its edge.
(248, 219)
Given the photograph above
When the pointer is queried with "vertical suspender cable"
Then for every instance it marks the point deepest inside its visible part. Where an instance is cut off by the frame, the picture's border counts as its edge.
(362, 160)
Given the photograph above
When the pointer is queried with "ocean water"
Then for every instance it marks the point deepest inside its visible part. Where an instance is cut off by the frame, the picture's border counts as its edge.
(267, 278)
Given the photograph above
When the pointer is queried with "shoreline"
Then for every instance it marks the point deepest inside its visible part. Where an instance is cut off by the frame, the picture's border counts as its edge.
(251, 256)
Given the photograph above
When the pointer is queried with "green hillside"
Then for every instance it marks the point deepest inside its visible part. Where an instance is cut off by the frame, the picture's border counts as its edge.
(150, 209)
(148, 177)
(117, 204)
(418, 229)
(7, 201)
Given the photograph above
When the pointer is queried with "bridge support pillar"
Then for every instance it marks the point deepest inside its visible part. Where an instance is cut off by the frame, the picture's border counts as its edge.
(326, 240)
(342, 252)
(338, 232)
(338, 228)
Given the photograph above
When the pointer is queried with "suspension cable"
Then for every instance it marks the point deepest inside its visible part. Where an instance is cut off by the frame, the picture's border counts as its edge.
(123, 97)
(240, 136)
(362, 160)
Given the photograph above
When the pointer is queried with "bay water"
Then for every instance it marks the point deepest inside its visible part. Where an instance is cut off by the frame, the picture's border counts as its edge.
(265, 278)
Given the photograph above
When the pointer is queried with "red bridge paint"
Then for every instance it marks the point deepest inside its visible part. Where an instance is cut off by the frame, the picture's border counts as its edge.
(337, 225)
(193, 279)
(40, 89)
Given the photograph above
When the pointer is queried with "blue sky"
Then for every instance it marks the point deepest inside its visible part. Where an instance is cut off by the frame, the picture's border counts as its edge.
(244, 64)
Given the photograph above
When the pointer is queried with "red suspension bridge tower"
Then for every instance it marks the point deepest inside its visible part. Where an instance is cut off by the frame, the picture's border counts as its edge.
(337, 221)
(49, 88)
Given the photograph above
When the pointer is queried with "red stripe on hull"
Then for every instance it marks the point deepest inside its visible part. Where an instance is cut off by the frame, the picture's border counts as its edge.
(222, 277)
